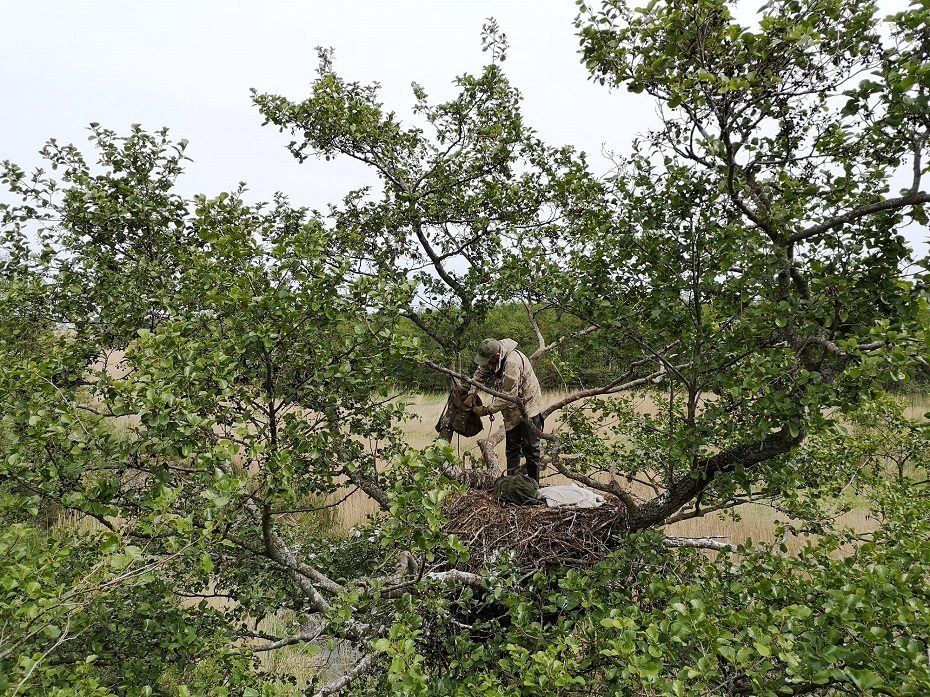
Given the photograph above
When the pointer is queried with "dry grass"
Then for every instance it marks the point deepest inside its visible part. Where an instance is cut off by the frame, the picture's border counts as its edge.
(757, 523)
(916, 405)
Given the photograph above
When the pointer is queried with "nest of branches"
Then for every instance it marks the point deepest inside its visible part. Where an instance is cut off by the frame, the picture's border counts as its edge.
(538, 536)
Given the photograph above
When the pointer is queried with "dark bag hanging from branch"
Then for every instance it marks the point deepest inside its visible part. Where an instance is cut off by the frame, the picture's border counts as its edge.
(458, 417)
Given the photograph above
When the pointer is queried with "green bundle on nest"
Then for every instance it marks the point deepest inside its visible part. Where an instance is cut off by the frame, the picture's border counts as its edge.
(518, 489)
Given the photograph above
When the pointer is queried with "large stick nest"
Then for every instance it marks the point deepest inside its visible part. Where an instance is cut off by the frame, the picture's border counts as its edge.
(538, 536)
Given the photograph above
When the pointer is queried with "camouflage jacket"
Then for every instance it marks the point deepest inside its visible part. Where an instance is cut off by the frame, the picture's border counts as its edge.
(514, 376)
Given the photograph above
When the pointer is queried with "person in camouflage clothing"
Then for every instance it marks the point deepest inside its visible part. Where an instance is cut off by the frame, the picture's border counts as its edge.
(504, 369)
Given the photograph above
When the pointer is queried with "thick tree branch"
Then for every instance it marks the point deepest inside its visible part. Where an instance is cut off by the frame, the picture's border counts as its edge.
(916, 152)
(426, 329)
(610, 388)
(484, 388)
(306, 577)
(542, 346)
(890, 204)
(369, 487)
(450, 578)
(437, 263)
(546, 348)
(540, 339)
(289, 641)
(457, 578)
(658, 509)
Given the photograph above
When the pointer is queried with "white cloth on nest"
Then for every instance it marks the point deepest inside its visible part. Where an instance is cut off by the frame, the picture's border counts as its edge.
(570, 495)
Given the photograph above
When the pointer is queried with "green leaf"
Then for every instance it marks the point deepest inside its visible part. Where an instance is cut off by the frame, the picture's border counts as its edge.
(866, 679)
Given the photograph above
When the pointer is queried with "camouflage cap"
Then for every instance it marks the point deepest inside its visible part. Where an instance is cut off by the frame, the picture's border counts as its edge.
(487, 349)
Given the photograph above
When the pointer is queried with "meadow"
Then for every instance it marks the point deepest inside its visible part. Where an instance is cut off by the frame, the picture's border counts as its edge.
(756, 522)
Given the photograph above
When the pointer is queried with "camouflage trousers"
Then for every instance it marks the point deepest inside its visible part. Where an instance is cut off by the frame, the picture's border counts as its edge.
(522, 440)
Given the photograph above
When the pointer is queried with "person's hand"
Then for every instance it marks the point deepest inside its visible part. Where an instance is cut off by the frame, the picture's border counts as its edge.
(481, 410)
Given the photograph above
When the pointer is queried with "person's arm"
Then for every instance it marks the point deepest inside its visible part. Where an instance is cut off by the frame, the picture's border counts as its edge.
(510, 385)
(483, 374)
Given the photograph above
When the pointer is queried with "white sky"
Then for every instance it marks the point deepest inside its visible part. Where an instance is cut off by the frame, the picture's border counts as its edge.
(189, 64)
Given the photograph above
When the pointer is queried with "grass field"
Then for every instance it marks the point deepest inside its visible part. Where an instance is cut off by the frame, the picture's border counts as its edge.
(757, 523)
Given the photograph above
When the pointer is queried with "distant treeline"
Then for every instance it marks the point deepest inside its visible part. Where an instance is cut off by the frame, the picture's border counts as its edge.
(575, 363)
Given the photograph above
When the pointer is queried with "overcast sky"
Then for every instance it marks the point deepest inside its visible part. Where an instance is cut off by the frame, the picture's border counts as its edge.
(189, 64)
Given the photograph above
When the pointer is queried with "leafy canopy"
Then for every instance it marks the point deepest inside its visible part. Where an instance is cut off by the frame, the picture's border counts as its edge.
(196, 378)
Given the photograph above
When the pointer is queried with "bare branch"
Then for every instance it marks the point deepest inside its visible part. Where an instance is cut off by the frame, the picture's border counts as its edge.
(539, 335)
(919, 142)
(315, 509)
(610, 388)
(451, 578)
(829, 345)
(700, 512)
(840, 351)
(699, 543)
(545, 348)
(457, 578)
(484, 388)
(341, 682)
(289, 641)
(489, 457)
(62, 638)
